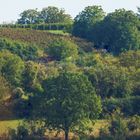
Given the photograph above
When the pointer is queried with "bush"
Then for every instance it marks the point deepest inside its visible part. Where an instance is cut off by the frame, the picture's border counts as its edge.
(5, 88)
(20, 134)
(110, 81)
(118, 128)
(11, 67)
(129, 106)
(134, 123)
(22, 108)
(61, 49)
(29, 130)
(25, 51)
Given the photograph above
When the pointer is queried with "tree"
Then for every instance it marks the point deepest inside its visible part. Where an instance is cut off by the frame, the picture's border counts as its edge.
(138, 14)
(110, 81)
(29, 16)
(33, 74)
(61, 49)
(130, 59)
(118, 32)
(67, 99)
(84, 22)
(11, 67)
(53, 14)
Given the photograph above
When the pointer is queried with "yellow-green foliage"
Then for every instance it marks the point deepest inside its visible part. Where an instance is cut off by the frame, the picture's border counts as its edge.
(5, 125)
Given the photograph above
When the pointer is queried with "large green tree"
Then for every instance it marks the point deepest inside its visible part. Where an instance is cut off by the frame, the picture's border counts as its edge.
(110, 81)
(67, 99)
(118, 32)
(85, 20)
(11, 67)
(53, 14)
(29, 16)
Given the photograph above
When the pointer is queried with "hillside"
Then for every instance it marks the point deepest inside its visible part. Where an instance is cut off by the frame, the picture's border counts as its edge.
(41, 38)
(33, 63)
(65, 78)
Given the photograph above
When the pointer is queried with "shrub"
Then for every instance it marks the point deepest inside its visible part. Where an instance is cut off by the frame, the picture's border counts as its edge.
(25, 51)
(118, 128)
(11, 67)
(134, 123)
(28, 130)
(129, 106)
(20, 134)
(61, 49)
(110, 81)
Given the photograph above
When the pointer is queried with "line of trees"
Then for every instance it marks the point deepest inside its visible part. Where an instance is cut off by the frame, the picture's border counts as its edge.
(115, 32)
(49, 14)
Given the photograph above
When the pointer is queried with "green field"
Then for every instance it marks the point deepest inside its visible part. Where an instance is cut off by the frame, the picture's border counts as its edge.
(58, 32)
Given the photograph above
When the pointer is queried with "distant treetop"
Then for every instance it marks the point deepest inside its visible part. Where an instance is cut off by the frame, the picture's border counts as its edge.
(49, 14)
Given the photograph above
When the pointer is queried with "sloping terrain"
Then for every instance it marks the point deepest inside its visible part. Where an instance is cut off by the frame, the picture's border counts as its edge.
(40, 38)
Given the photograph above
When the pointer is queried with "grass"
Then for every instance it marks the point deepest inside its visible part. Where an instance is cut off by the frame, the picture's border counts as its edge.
(58, 32)
(5, 125)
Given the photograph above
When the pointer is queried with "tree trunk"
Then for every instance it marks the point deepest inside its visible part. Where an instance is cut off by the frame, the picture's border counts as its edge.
(66, 134)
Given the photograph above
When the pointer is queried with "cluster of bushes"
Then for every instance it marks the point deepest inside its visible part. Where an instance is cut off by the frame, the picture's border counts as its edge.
(23, 50)
(121, 128)
(129, 106)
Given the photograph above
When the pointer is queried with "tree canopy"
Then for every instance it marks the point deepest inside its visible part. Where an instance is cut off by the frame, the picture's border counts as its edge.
(29, 16)
(50, 14)
(11, 66)
(53, 14)
(86, 19)
(67, 99)
(61, 49)
(111, 81)
(118, 32)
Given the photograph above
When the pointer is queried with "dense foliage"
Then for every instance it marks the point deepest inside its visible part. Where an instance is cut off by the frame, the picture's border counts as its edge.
(66, 82)
(49, 14)
(61, 49)
(25, 51)
(118, 32)
(84, 22)
(67, 99)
